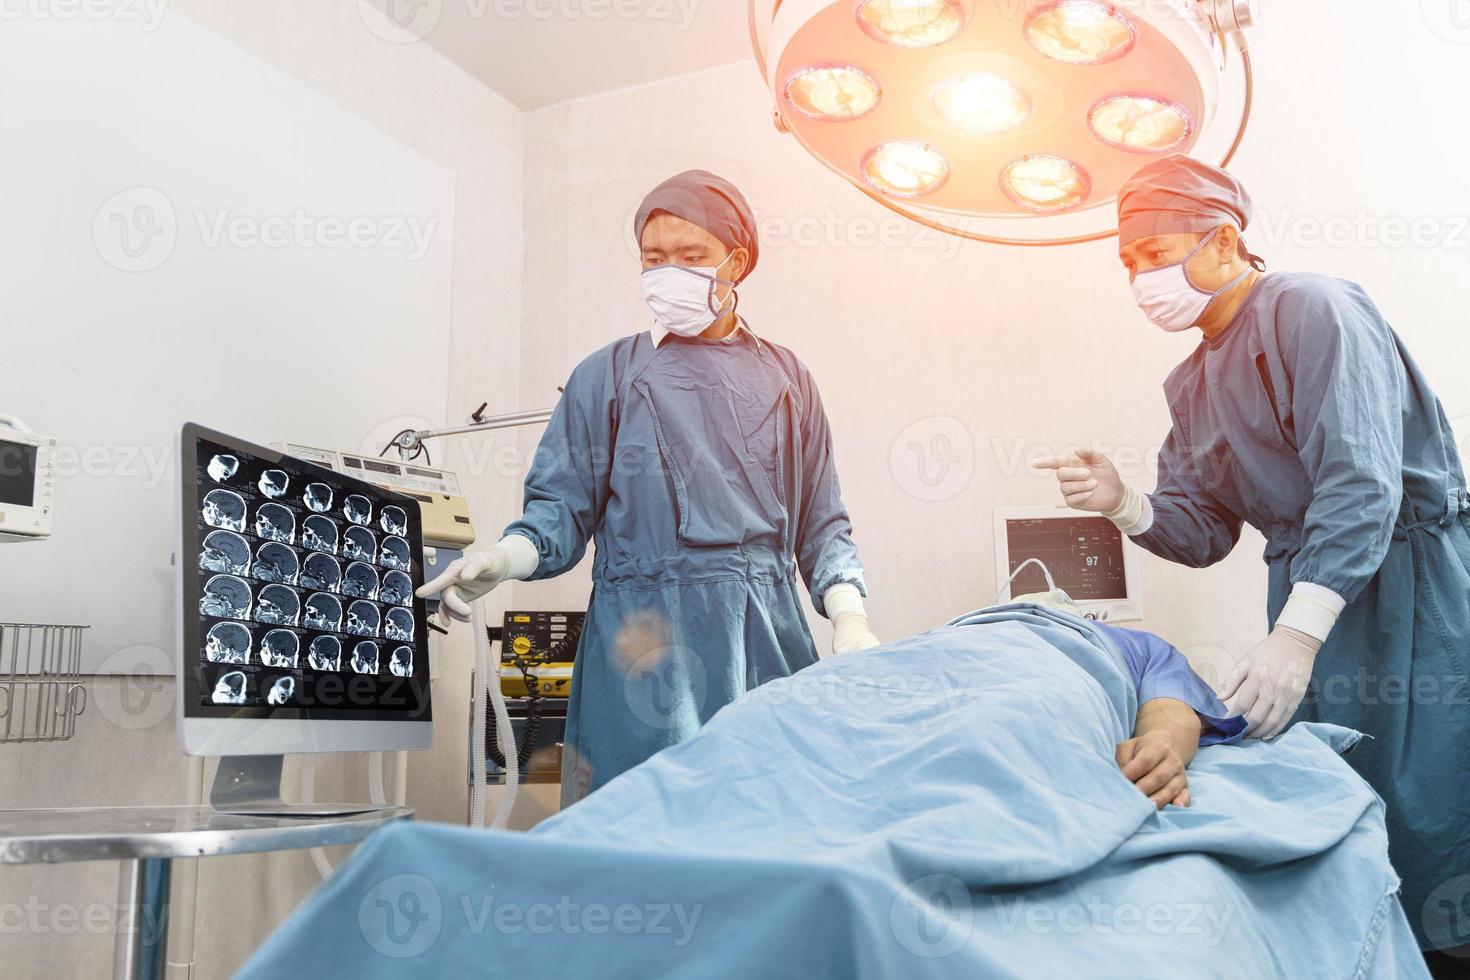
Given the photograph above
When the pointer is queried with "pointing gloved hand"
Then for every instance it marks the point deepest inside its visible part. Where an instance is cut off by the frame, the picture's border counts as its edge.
(473, 576)
(1269, 684)
(850, 629)
(1089, 481)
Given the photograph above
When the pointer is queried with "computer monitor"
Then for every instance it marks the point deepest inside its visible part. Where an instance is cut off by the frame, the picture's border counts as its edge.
(1085, 553)
(299, 630)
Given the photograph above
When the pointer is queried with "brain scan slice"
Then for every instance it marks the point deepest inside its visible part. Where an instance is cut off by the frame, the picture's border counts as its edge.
(393, 520)
(323, 612)
(278, 605)
(225, 551)
(226, 597)
(321, 572)
(274, 562)
(227, 643)
(224, 509)
(365, 658)
(274, 522)
(358, 509)
(230, 688)
(223, 467)
(282, 691)
(401, 665)
(398, 625)
(325, 653)
(280, 648)
(362, 619)
(274, 483)
(395, 554)
(317, 497)
(397, 589)
(359, 543)
(319, 533)
(361, 581)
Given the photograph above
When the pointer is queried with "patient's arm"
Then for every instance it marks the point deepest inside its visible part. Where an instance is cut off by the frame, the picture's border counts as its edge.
(1165, 736)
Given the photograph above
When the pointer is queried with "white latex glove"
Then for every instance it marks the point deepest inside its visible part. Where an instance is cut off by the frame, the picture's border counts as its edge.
(1269, 684)
(851, 633)
(1090, 482)
(474, 576)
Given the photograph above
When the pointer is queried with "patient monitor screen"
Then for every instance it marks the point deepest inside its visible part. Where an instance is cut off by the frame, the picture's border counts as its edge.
(1084, 555)
(298, 589)
(17, 474)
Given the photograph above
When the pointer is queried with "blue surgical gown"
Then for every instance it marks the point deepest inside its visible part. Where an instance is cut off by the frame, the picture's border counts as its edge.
(703, 471)
(1159, 670)
(1308, 419)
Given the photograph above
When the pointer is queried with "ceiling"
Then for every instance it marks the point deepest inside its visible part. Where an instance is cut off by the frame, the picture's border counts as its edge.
(539, 52)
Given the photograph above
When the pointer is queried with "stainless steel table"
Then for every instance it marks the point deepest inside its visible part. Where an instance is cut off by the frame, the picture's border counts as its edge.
(148, 838)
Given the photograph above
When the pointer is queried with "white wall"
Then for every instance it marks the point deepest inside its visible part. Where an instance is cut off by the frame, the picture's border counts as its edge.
(1006, 352)
(124, 750)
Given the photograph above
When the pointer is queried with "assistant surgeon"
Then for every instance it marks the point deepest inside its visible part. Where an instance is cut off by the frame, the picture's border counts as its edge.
(1302, 414)
(698, 457)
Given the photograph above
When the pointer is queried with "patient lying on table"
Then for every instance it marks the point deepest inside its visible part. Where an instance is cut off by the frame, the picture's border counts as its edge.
(1177, 710)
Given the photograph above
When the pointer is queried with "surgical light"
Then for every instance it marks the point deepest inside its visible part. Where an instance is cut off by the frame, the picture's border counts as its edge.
(911, 23)
(1081, 32)
(981, 104)
(1011, 121)
(1139, 122)
(1045, 183)
(833, 92)
(904, 168)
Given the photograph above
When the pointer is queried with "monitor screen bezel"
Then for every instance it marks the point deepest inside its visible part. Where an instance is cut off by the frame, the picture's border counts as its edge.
(1126, 609)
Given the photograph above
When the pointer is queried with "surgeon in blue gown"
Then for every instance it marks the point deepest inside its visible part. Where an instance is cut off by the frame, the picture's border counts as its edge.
(697, 456)
(1302, 414)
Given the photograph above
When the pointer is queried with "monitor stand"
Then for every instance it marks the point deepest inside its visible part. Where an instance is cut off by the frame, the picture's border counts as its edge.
(250, 785)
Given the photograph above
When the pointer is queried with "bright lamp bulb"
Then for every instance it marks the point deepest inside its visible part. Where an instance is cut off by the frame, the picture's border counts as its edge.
(981, 104)
(1139, 122)
(1043, 182)
(911, 23)
(905, 169)
(1080, 32)
(833, 92)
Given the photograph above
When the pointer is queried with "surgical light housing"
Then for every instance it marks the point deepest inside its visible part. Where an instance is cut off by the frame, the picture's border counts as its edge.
(1011, 121)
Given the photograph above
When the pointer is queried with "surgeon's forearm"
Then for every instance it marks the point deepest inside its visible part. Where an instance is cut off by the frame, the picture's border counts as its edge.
(1173, 719)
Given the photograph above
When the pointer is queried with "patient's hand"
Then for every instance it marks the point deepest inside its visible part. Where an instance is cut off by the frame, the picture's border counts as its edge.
(1153, 764)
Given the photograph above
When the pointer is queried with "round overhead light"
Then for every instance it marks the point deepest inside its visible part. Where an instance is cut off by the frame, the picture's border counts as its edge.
(911, 23)
(981, 104)
(903, 168)
(1139, 122)
(1081, 32)
(833, 92)
(1043, 182)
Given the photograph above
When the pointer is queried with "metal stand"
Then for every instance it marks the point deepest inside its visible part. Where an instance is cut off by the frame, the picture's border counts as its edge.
(251, 785)
(142, 895)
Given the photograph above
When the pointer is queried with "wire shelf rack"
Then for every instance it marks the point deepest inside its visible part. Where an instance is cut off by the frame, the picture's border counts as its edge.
(41, 692)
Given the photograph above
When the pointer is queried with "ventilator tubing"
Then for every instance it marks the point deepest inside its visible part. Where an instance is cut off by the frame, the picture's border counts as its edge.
(504, 734)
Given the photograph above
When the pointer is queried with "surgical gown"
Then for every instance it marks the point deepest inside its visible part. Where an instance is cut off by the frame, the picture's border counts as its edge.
(703, 471)
(1307, 419)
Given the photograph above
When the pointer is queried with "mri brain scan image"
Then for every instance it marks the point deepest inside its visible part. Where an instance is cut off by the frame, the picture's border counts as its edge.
(365, 658)
(361, 581)
(319, 534)
(321, 572)
(230, 689)
(317, 497)
(276, 563)
(359, 543)
(224, 509)
(275, 523)
(227, 643)
(280, 648)
(393, 520)
(281, 691)
(401, 665)
(223, 468)
(397, 589)
(226, 597)
(358, 509)
(225, 552)
(274, 483)
(398, 625)
(395, 554)
(323, 612)
(362, 619)
(325, 653)
(277, 604)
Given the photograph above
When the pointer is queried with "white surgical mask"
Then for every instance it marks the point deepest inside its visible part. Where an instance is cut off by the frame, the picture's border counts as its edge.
(1171, 299)
(683, 299)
